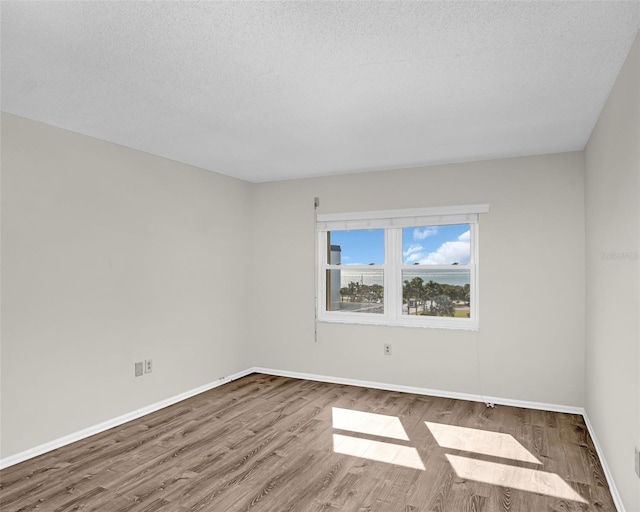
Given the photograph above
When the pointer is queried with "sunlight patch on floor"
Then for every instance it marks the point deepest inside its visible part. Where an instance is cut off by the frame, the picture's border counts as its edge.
(369, 423)
(525, 479)
(484, 442)
(379, 451)
(448, 437)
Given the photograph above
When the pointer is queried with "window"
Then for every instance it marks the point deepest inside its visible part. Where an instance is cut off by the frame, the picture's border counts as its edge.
(414, 267)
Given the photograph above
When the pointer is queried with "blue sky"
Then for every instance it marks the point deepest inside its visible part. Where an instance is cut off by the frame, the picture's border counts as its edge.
(432, 245)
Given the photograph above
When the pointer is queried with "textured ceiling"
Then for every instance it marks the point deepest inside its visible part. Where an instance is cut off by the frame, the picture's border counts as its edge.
(270, 90)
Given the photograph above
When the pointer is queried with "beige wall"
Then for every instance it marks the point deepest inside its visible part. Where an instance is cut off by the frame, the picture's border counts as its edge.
(531, 281)
(613, 292)
(111, 256)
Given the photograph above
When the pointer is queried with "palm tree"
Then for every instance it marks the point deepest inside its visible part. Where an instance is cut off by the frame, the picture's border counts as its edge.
(417, 284)
(413, 290)
(432, 290)
(467, 294)
(353, 290)
(406, 293)
(377, 291)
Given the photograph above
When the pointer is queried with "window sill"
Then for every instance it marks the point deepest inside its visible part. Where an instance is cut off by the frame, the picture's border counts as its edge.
(439, 323)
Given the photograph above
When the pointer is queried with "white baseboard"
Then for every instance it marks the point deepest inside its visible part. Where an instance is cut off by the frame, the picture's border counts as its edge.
(101, 427)
(106, 425)
(617, 499)
(424, 391)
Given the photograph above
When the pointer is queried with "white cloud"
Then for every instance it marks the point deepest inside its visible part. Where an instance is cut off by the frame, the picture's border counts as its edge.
(421, 234)
(449, 252)
(413, 249)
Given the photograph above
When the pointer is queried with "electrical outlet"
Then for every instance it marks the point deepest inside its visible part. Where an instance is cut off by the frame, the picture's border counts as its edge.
(139, 369)
(387, 349)
(148, 366)
(637, 460)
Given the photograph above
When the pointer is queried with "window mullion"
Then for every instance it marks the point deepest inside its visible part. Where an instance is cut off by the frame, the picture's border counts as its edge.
(393, 250)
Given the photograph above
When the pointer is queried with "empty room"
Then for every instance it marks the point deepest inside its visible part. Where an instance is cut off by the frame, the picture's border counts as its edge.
(320, 256)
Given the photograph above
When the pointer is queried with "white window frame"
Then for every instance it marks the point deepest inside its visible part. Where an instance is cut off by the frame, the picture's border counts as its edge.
(393, 221)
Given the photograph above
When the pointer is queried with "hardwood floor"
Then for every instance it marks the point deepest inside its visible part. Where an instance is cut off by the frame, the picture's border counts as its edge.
(265, 443)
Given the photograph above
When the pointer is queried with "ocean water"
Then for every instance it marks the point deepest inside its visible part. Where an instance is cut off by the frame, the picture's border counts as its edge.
(458, 277)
